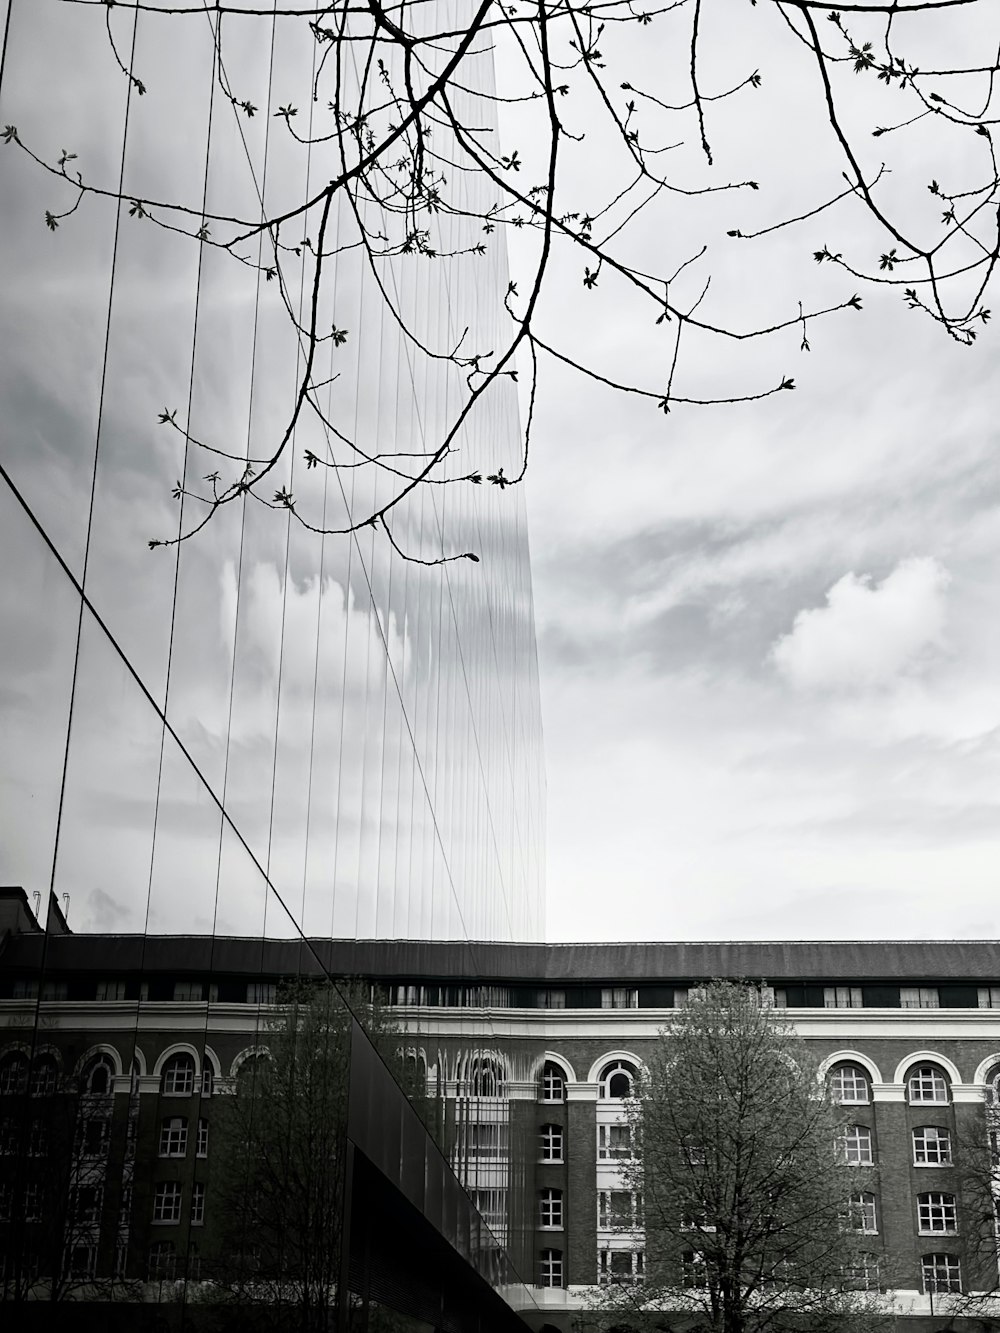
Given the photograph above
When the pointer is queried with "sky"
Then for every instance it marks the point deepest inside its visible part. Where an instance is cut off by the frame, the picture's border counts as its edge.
(767, 633)
(769, 640)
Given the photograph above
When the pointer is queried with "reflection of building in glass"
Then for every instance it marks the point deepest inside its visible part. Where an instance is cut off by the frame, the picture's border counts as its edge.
(262, 732)
(534, 1121)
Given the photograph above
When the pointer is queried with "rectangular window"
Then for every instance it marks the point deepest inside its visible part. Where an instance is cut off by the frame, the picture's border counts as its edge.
(173, 1137)
(202, 1146)
(842, 997)
(162, 1261)
(55, 990)
(85, 1205)
(619, 1210)
(484, 1140)
(189, 990)
(261, 992)
(855, 1143)
(491, 1204)
(81, 1261)
(620, 997)
(550, 1268)
(931, 1146)
(780, 997)
(111, 990)
(693, 1271)
(25, 989)
(863, 1274)
(941, 1272)
(937, 1214)
(38, 1139)
(198, 1204)
(167, 1201)
(552, 999)
(989, 997)
(621, 1267)
(6, 1197)
(8, 1136)
(918, 997)
(552, 1143)
(614, 1141)
(550, 1210)
(93, 1135)
(863, 1214)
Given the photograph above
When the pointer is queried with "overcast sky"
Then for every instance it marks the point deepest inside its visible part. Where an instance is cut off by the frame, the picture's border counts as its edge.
(768, 634)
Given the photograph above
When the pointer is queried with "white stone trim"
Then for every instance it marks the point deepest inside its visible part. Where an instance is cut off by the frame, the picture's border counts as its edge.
(888, 1092)
(552, 1057)
(582, 1092)
(929, 1058)
(178, 1048)
(984, 1067)
(850, 1057)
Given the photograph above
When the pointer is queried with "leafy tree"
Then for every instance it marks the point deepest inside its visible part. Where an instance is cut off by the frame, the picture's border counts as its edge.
(278, 1196)
(393, 134)
(751, 1220)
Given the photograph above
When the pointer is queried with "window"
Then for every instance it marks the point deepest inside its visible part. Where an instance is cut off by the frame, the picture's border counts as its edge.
(620, 997)
(550, 1268)
(550, 1210)
(693, 1271)
(6, 1197)
(491, 1204)
(619, 1210)
(926, 1083)
(81, 1261)
(33, 1202)
(13, 1075)
(993, 1088)
(849, 1085)
(937, 1214)
(918, 997)
(614, 1141)
(617, 1080)
(198, 1204)
(552, 999)
(863, 1273)
(931, 1146)
(110, 990)
(201, 1149)
(842, 997)
(93, 1134)
(552, 1143)
(55, 990)
(97, 1077)
(989, 997)
(207, 1080)
(85, 1204)
(486, 1078)
(189, 990)
(167, 1201)
(553, 1083)
(261, 992)
(8, 1136)
(941, 1272)
(863, 1215)
(25, 988)
(38, 1138)
(44, 1077)
(178, 1076)
(855, 1144)
(780, 997)
(481, 1140)
(162, 1261)
(173, 1137)
(621, 1266)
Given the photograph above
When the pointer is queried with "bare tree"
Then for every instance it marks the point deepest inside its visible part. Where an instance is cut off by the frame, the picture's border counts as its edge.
(751, 1216)
(397, 130)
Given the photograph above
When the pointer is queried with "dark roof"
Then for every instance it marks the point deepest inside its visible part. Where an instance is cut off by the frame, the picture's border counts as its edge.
(804, 960)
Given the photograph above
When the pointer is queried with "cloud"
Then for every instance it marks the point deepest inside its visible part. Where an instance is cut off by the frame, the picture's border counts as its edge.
(867, 634)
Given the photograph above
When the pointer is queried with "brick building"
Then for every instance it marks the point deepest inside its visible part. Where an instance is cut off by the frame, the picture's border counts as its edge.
(529, 1060)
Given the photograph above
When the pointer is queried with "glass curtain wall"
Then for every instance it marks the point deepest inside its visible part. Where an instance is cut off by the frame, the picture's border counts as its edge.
(261, 731)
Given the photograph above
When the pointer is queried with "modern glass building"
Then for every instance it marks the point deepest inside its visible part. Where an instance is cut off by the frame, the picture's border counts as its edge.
(263, 731)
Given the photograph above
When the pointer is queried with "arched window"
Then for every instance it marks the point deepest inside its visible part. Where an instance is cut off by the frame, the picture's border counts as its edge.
(13, 1074)
(937, 1214)
(44, 1076)
(849, 1085)
(931, 1146)
(486, 1077)
(550, 1268)
(553, 1083)
(617, 1079)
(993, 1087)
(178, 1076)
(97, 1076)
(926, 1083)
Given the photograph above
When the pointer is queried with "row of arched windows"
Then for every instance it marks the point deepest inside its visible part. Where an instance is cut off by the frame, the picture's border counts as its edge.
(925, 1083)
(95, 1075)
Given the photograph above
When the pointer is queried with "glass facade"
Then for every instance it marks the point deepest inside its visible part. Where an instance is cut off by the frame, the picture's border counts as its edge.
(261, 732)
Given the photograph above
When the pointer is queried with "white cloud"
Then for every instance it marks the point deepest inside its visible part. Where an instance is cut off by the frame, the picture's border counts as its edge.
(867, 634)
